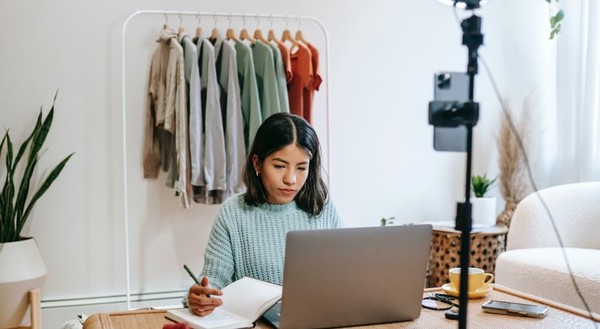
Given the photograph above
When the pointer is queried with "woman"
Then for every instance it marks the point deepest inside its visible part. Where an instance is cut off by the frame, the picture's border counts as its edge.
(285, 192)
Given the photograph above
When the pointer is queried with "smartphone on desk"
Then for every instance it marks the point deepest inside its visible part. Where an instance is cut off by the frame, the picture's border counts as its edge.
(519, 309)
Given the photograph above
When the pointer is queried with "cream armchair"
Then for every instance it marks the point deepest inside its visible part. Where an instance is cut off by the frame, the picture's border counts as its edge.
(535, 263)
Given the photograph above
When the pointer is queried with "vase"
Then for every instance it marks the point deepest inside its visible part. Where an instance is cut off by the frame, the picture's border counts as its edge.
(21, 269)
(483, 211)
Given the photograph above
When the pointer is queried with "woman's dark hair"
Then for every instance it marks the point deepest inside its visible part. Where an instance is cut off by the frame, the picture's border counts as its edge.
(275, 133)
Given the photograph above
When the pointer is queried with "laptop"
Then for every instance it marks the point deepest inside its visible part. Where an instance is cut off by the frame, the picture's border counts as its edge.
(352, 276)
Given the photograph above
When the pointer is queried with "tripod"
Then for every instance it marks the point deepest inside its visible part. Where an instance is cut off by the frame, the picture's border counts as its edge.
(453, 114)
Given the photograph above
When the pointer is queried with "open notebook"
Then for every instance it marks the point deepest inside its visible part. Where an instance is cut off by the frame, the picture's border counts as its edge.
(244, 301)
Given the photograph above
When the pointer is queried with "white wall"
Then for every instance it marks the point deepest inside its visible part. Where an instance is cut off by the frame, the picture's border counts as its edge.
(382, 58)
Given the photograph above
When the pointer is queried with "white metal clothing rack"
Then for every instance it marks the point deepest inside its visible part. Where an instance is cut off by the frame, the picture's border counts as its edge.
(199, 14)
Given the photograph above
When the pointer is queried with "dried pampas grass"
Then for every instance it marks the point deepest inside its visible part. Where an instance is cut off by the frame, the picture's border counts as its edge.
(512, 181)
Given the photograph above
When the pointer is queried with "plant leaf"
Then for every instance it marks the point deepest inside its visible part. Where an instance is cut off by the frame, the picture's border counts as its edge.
(8, 192)
(26, 142)
(29, 168)
(41, 134)
(559, 16)
(43, 188)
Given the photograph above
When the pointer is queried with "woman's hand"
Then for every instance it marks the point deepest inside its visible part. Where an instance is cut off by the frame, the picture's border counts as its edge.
(200, 299)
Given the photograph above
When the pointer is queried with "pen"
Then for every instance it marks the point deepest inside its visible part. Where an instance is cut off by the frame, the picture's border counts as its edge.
(192, 274)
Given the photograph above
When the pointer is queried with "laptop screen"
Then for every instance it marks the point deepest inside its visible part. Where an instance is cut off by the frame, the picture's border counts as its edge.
(354, 276)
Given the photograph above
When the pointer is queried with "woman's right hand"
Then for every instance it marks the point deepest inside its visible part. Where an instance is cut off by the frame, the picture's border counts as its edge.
(200, 298)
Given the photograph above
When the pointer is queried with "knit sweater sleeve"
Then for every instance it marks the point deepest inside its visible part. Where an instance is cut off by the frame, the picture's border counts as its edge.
(218, 257)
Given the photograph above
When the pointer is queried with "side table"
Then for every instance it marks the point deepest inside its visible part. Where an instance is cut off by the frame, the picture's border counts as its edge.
(486, 244)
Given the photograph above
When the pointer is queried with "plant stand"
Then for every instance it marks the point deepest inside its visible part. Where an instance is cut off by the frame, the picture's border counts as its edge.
(35, 310)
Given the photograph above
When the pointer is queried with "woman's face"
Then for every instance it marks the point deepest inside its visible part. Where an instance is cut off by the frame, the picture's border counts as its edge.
(283, 173)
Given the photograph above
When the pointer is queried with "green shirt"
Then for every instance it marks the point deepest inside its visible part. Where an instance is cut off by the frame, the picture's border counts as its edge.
(266, 80)
(248, 92)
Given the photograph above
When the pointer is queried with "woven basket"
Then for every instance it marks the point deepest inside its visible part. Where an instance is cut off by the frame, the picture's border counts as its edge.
(445, 252)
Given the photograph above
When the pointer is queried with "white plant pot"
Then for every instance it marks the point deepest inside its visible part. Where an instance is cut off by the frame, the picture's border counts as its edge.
(21, 269)
(483, 211)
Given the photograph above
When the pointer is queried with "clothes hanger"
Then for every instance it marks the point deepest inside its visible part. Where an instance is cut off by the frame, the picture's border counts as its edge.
(214, 34)
(198, 28)
(271, 35)
(166, 25)
(230, 33)
(181, 29)
(258, 35)
(215, 31)
(287, 36)
(244, 35)
(299, 35)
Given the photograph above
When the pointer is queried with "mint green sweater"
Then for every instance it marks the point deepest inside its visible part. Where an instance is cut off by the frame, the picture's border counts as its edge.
(250, 241)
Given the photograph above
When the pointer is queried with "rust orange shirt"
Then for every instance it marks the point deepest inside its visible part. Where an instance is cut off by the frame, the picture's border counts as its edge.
(285, 57)
(309, 93)
(302, 75)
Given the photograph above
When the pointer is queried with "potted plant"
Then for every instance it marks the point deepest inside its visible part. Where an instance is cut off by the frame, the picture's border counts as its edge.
(387, 221)
(21, 265)
(483, 210)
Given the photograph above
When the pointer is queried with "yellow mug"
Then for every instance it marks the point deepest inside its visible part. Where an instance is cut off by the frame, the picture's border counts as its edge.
(477, 278)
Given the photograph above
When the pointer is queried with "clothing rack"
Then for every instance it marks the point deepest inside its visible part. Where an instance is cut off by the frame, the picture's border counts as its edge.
(213, 15)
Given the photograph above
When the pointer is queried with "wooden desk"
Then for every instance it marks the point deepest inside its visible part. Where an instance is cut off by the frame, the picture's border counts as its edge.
(560, 316)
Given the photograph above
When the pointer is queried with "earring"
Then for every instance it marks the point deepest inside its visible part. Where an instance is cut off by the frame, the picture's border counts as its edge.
(257, 173)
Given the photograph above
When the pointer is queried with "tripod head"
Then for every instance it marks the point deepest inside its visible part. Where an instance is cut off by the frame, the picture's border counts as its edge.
(455, 113)
(472, 38)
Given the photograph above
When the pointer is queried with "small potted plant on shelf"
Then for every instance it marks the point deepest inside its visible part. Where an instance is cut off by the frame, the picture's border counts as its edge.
(481, 185)
(21, 265)
(483, 210)
(387, 221)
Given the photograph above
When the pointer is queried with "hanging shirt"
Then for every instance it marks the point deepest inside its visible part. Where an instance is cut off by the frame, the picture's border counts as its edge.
(231, 109)
(155, 137)
(301, 80)
(265, 79)
(192, 76)
(284, 105)
(214, 137)
(248, 92)
(285, 58)
(177, 95)
(315, 83)
(171, 114)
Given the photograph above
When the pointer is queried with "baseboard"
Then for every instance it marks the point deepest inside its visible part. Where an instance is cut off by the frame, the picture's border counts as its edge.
(112, 299)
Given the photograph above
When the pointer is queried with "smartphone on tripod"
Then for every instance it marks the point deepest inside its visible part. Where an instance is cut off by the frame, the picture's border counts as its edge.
(450, 86)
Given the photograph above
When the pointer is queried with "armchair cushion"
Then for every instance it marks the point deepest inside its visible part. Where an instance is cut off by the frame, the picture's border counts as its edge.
(543, 272)
(535, 262)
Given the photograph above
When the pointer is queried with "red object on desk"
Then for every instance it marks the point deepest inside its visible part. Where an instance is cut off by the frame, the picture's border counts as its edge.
(176, 326)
